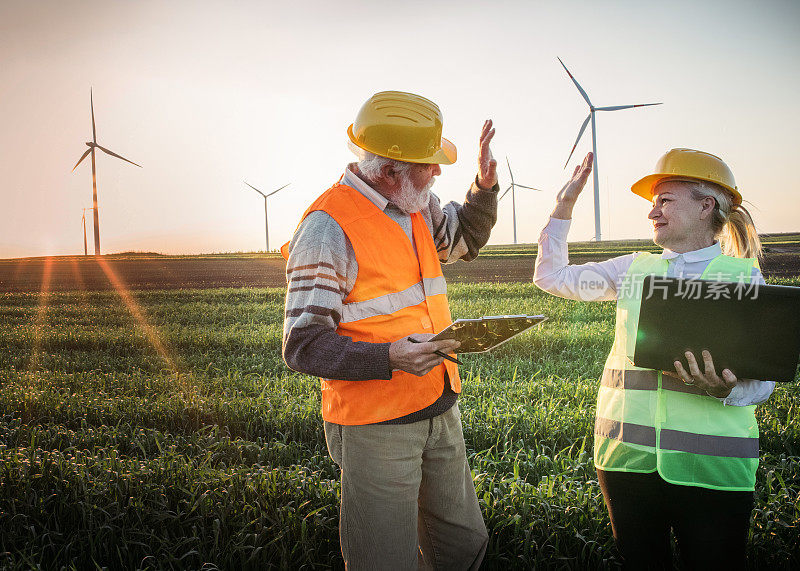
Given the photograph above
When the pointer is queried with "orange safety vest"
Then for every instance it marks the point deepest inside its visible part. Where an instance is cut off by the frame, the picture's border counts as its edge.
(397, 293)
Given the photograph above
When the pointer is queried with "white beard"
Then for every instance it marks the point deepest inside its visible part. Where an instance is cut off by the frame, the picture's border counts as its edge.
(411, 199)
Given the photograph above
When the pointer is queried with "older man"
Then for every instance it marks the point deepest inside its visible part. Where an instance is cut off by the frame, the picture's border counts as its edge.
(364, 272)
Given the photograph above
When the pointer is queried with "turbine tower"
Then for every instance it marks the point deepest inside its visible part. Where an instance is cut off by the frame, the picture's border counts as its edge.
(92, 146)
(511, 187)
(266, 196)
(592, 109)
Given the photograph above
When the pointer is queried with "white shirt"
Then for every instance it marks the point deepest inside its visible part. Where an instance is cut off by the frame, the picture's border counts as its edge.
(555, 275)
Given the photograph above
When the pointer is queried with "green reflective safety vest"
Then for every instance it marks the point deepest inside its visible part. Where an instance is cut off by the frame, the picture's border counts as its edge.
(649, 422)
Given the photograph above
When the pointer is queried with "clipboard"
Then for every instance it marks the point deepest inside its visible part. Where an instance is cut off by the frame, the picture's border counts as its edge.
(485, 333)
(751, 329)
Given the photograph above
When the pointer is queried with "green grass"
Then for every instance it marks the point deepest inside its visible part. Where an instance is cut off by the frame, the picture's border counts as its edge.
(604, 248)
(114, 455)
(609, 248)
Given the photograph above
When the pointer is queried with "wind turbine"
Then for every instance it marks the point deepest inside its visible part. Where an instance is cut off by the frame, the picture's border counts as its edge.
(266, 196)
(83, 220)
(592, 109)
(511, 187)
(92, 146)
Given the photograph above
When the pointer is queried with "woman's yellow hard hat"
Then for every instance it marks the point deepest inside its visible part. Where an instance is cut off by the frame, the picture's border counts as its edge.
(402, 126)
(689, 163)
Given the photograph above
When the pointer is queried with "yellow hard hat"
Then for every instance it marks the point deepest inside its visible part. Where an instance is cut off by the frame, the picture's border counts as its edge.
(692, 164)
(402, 126)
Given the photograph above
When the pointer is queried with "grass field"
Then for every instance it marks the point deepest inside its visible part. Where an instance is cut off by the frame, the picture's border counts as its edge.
(152, 271)
(607, 248)
(162, 430)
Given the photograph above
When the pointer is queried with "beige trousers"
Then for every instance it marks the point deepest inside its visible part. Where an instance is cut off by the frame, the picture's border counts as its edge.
(408, 499)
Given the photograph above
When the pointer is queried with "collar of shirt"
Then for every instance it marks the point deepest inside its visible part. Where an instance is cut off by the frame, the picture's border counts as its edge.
(352, 180)
(701, 255)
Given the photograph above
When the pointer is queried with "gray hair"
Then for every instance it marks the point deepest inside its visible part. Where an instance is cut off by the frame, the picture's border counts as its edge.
(370, 164)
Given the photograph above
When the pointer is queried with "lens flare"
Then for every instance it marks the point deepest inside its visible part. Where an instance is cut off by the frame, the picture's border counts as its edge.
(41, 314)
(136, 311)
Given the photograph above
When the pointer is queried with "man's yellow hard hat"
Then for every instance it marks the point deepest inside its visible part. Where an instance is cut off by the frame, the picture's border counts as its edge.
(402, 126)
(692, 164)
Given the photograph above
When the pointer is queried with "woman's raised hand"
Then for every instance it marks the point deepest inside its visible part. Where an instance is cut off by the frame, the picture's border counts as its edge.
(568, 196)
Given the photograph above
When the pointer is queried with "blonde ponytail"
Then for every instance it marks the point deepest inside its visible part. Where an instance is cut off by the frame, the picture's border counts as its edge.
(739, 237)
(732, 224)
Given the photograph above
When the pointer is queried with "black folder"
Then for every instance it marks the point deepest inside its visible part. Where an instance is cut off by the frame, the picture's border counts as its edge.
(751, 329)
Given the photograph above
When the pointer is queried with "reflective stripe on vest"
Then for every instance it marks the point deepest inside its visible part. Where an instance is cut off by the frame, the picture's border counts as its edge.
(392, 302)
(735, 446)
(399, 290)
(645, 380)
(647, 421)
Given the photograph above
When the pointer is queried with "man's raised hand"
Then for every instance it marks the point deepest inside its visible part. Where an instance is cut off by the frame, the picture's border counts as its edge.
(487, 165)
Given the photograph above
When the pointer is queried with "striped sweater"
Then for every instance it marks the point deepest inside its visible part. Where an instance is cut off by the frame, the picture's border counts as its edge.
(322, 269)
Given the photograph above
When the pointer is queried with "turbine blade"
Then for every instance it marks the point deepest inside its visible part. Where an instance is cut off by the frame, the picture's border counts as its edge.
(580, 134)
(575, 81)
(528, 187)
(281, 188)
(91, 102)
(254, 188)
(511, 174)
(113, 154)
(83, 156)
(506, 192)
(618, 107)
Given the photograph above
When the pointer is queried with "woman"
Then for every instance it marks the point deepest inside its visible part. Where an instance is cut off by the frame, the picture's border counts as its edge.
(674, 450)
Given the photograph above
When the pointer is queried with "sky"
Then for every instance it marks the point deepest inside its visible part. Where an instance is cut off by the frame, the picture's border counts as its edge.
(207, 94)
